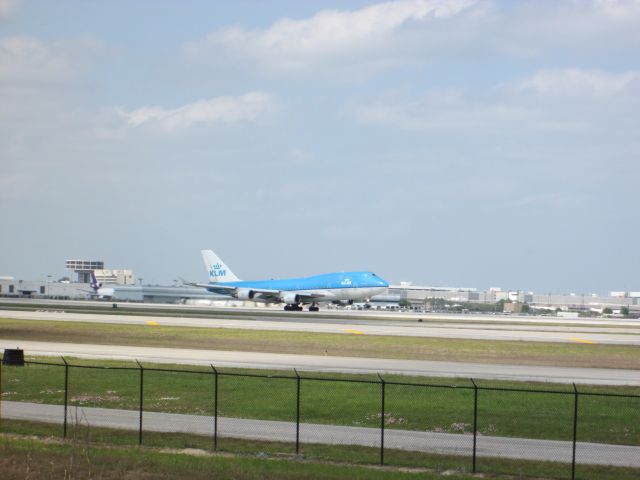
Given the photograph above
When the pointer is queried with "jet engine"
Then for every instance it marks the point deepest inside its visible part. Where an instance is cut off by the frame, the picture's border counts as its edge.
(343, 303)
(290, 298)
(245, 294)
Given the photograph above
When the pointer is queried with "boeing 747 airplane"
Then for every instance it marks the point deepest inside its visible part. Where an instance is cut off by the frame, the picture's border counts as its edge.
(345, 287)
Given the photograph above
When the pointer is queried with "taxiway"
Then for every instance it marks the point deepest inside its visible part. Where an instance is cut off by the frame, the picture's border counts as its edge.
(279, 361)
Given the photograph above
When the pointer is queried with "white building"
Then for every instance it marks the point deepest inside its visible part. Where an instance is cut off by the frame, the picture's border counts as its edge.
(115, 276)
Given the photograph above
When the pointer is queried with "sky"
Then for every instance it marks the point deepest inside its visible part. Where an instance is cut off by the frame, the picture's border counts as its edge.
(469, 143)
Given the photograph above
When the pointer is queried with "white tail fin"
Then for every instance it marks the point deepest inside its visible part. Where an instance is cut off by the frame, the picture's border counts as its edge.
(218, 271)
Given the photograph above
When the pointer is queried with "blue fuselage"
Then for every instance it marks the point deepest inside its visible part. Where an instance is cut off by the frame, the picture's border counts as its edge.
(328, 287)
(327, 281)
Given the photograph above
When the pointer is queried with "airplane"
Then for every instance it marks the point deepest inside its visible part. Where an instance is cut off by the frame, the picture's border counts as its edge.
(95, 286)
(339, 288)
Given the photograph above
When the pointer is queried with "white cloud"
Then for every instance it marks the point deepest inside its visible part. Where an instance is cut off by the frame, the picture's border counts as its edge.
(27, 59)
(409, 32)
(219, 110)
(328, 36)
(576, 82)
(453, 110)
(8, 7)
(552, 100)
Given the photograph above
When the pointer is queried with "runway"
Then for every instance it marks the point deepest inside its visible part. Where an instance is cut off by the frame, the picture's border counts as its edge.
(605, 332)
(339, 314)
(269, 430)
(276, 361)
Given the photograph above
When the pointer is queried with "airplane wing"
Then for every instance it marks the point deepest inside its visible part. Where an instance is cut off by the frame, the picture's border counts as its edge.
(213, 287)
(311, 296)
(264, 293)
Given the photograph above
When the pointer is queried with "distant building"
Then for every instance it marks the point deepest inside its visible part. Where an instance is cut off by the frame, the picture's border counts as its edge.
(83, 268)
(565, 314)
(514, 307)
(115, 276)
(43, 289)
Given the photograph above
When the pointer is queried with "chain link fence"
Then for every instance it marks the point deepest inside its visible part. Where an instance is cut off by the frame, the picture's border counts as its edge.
(467, 427)
(434, 423)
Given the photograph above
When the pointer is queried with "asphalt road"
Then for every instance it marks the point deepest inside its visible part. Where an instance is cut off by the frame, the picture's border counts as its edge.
(278, 361)
(603, 333)
(431, 442)
(336, 313)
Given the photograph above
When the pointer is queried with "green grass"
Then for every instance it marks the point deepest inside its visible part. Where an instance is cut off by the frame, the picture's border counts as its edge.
(312, 458)
(419, 348)
(544, 415)
(28, 458)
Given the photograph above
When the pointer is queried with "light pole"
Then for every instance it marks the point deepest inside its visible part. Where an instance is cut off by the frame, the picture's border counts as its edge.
(48, 286)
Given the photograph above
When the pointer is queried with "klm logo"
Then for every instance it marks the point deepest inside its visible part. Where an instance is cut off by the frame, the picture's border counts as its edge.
(346, 281)
(217, 271)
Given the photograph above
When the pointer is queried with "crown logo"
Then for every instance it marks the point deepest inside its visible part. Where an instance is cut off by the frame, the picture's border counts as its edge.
(216, 266)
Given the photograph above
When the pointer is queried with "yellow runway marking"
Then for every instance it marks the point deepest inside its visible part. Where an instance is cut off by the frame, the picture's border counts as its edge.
(581, 340)
(355, 332)
(151, 322)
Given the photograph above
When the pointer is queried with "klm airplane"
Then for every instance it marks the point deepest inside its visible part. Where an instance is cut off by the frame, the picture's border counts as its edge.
(344, 288)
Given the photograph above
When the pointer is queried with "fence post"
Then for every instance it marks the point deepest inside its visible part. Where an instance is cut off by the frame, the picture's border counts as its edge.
(215, 407)
(1, 361)
(66, 397)
(575, 431)
(297, 411)
(475, 423)
(141, 402)
(382, 395)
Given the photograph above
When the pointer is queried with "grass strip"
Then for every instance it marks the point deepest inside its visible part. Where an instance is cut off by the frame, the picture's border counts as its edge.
(412, 348)
(30, 458)
(445, 406)
(270, 458)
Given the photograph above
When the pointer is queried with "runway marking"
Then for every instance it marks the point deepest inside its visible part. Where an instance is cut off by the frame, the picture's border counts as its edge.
(581, 340)
(152, 323)
(355, 332)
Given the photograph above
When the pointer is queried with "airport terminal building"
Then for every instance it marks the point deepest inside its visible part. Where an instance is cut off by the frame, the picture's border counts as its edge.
(119, 285)
(417, 296)
(420, 297)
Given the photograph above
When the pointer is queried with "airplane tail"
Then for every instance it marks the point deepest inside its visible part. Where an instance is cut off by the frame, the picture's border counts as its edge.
(95, 286)
(218, 271)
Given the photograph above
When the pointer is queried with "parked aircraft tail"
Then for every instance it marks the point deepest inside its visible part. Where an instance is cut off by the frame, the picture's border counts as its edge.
(218, 271)
(95, 286)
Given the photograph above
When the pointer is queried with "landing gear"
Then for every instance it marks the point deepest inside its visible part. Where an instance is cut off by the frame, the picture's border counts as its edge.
(314, 308)
(293, 308)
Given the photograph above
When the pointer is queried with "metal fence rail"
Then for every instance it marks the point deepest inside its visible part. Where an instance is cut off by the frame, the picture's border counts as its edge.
(460, 426)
